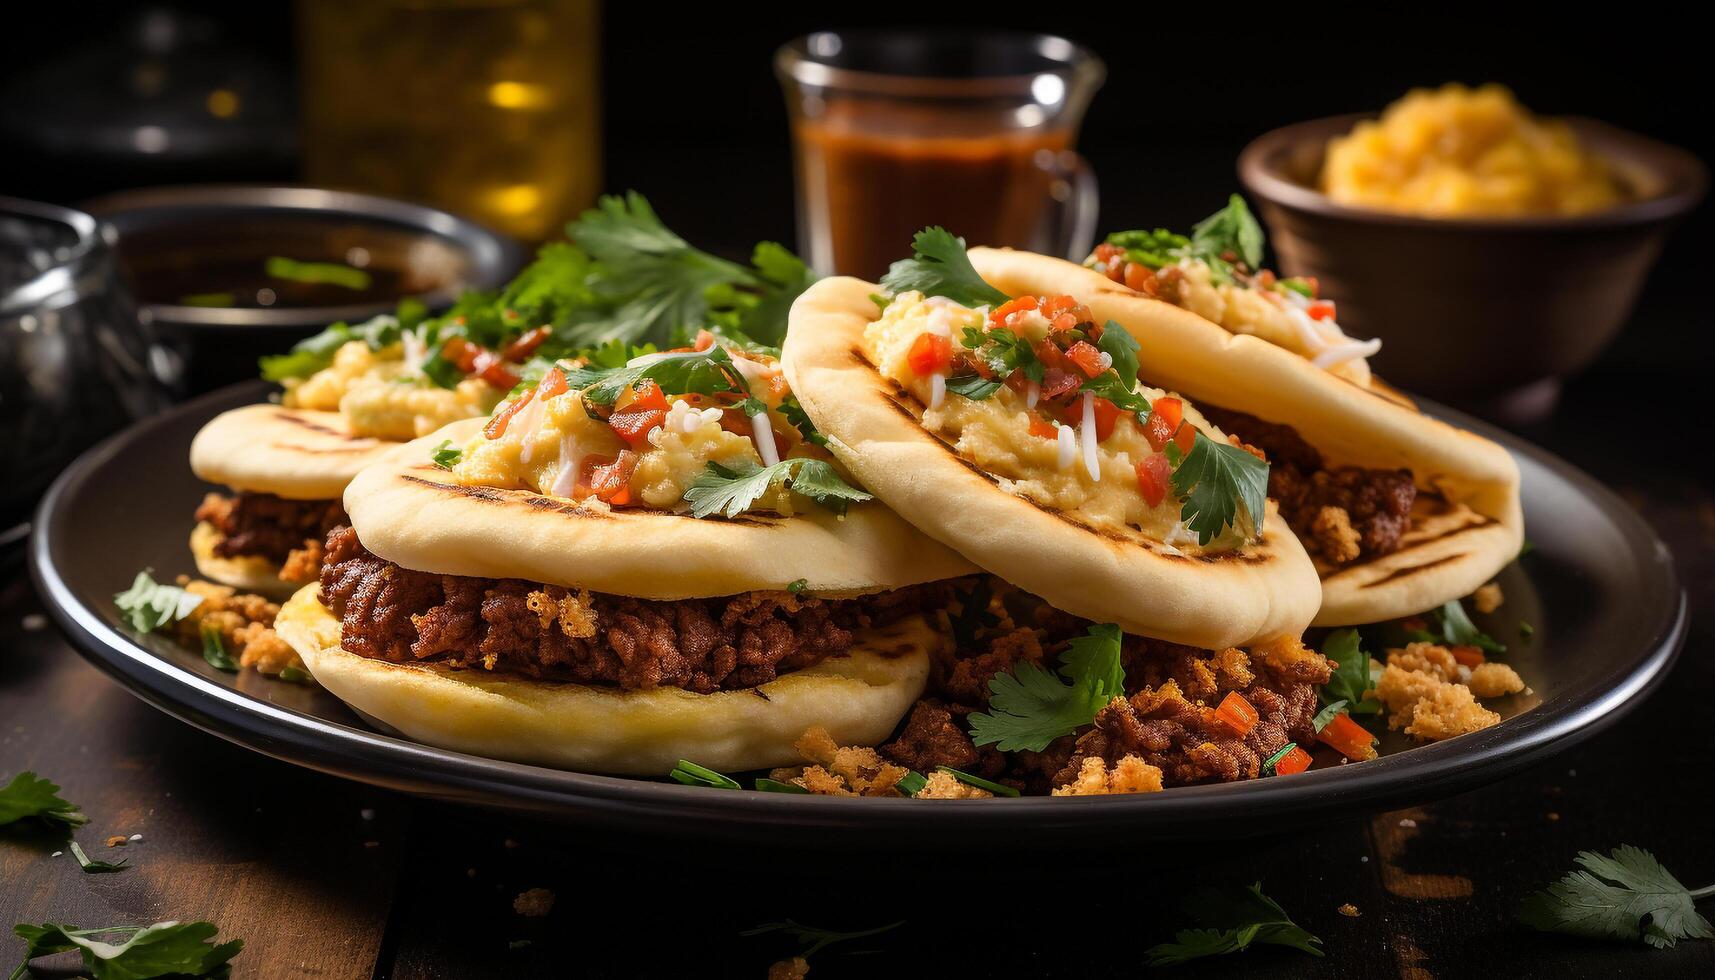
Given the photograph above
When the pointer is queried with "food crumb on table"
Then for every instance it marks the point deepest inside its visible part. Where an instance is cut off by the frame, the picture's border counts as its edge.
(1488, 598)
(117, 840)
(534, 903)
(796, 968)
(1349, 910)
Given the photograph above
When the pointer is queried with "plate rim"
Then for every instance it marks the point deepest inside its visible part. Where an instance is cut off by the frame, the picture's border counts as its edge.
(1425, 772)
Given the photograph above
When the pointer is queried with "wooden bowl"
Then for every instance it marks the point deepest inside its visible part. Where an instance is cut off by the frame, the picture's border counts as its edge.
(1474, 310)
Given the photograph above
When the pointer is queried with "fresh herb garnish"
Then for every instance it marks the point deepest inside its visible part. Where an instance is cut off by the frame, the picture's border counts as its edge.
(701, 372)
(911, 783)
(1215, 480)
(1300, 286)
(316, 352)
(1329, 712)
(998, 789)
(1232, 920)
(732, 490)
(316, 273)
(1111, 386)
(1121, 347)
(148, 605)
(765, 785)
(1002, 352)
(1458, 630)
(1626, 895)
(94, 867)
(818, 939)
(691, 774)
(165, 949)
(446, 455)
(1526, 630)
(1268, 764)
(940, 267)
(1030, 707)
(214, 649)
(295, 675)
(973, 386)
(1231, 231)
(1350, 677)
(30, 796)
(793, 410)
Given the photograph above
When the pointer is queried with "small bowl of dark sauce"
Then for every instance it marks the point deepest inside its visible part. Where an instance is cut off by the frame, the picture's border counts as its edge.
(230, 274)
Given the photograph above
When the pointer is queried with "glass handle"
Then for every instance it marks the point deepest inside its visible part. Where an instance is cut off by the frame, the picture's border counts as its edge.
(1073, 207)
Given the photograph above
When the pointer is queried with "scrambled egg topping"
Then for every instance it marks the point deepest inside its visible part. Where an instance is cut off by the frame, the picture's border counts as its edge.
(383, 396)
(1461, 151)
(994, 433)
(1277, 317)
(550, 445)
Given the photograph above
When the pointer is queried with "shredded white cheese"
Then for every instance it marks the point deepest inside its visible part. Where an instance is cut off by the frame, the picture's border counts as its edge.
(1087, 437)
(1068, 445)
(937, 389)
(763, 433)
(528, 421)
(566, 480)
(1339, 354)
(1032, 394)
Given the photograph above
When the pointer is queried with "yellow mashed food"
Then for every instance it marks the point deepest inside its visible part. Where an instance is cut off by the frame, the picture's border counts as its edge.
(1458, 151)
(994, 433)
(1277, 317)
(382, 396)
(549, 443)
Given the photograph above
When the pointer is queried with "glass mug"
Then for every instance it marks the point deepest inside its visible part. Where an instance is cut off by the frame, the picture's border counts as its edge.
(896, 131)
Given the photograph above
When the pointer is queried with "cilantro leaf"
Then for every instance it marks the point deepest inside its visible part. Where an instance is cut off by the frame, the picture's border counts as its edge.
(940, 267)
(1030, 707)
(214, 649)
(316, 352)
(1626, 895)
(161, 950)
(786, 277)
(973, 386)
(1232, 920)
(1111, 386)
(29, 795)
(732, 490)
(1003, 352)
(94, 867)
(1230, 230)
(794, 412)
(446, 455)
(148, 605)
(1350, 678)
(1118, 343)
(691, 774)
(1218, 480)
(1458, 630)
(703, 372)
(816, 938)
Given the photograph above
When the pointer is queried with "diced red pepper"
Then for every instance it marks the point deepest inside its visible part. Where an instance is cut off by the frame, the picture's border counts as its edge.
(606, 478)
(704, 340)
(1320, 310)
(1140, 278)
(1107, 414)
(496, 426)
(1185, 438)
(1237, 713)
(524, 346)
(1106, 251)
(1153, 477)
(1469, 656)
(1053, 306)
(461, 352)
(1056, 382)
(1043, 428)
(1063, 323)
(930, 353)
(1086, 357)
(646, 409)
(1165, 416)
(1295, 761)
(553, 383)
(1051, 356)
(1347, 737)
(1017, 304)
(491, 367)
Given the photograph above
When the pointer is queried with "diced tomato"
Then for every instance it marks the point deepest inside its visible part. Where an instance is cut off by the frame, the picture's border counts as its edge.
(1185, 439)
(1347, 737)
(1086, 357)
(1320, 310)
(553, 383)
(1056, 382)
(1141, 278)
(496, 426)
(1053, 306)
(524, 346)
(1105, 252)
(777, 386)
(461, 352)
(1063, 323)
(491, 367)
(1018, 381)
(704, 340)
(1265, 279)
(1051, 356)
(1237, 714)
(1044, 428)
(646, 409)
(736, 422)
(606, 478)
(930, 353)
(1165, 416)
(1107, 414)
(1295, 761)
(1153, 477)
(1017, 304)
(1315, 286)
(1470, 656)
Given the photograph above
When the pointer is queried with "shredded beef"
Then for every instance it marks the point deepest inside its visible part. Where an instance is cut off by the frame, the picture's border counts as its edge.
(1376, 502)
(545, 631)
(266, 526)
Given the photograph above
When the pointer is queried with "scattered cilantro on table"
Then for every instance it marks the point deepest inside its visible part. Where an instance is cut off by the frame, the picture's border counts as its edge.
(940, 267)
(1351, 676)
(214, 650)
(817, 939)
(1232, 920)
(148, 605)
(1031, 707)
(691, 774)
(731, 490)
(29, 796)
(1626, 895)
(165, 949)
(94, 867)
(1458, 630)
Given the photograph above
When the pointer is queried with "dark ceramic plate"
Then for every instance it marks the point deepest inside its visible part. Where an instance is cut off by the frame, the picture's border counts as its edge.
(1599, 588)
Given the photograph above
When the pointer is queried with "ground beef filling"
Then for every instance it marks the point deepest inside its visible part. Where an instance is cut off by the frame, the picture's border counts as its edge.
(262, 525)
(544, 631)
(1341, 513)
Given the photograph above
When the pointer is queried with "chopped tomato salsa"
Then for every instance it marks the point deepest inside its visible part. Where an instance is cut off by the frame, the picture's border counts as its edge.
(1320, 310)
(606, 478)
(1087, 358)
(1153, 477)
(930, 354)
(1044, 429)
(496, 426)
(646, 409)
(1237, 714)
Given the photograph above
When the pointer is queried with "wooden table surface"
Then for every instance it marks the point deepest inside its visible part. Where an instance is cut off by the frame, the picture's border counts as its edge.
(327, 878)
